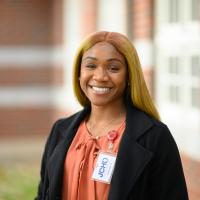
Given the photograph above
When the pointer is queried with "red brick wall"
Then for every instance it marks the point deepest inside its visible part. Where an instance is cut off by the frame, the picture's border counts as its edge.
(88, 17)
(34, 76)
(30, 24)
(143, 19)
(192, 174)
(25, 22)
(28, 121)
(57, 21)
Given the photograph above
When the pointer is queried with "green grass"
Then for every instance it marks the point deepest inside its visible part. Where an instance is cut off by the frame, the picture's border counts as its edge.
(18, 182)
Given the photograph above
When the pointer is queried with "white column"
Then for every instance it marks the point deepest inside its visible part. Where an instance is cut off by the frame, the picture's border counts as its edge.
(71, 42)
(112, 15)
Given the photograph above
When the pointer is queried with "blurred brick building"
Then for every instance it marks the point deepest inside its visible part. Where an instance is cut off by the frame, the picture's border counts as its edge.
(38, 39)
(31, 71)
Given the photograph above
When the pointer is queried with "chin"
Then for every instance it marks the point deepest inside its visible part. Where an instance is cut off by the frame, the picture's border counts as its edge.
(99, 103)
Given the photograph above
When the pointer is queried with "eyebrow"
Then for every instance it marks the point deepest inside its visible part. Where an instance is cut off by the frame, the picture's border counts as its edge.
(89, 57)
(109, 60)
(116, 59)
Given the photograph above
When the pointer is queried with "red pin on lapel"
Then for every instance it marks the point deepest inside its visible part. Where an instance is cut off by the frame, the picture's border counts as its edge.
(112, 135)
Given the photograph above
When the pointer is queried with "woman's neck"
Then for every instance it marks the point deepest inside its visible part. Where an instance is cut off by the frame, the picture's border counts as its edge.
(99, 113)
(105, 118)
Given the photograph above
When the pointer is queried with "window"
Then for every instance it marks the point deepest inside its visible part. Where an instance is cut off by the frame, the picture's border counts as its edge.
(195, 66)
(195, 10)
(174, 65)
(173, 10)
(195, 94)
(195, 87)
(173, 73)
(174, 94)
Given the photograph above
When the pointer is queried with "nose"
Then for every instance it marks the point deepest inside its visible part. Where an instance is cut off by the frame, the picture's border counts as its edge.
(100, 74)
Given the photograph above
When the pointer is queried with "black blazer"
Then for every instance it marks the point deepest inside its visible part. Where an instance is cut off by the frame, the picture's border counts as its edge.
(148, 165)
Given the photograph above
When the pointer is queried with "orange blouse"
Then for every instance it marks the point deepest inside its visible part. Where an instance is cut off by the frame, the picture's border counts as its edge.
(79, 165)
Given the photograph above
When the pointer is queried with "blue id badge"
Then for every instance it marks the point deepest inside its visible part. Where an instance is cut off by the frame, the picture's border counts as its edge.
(104, 168)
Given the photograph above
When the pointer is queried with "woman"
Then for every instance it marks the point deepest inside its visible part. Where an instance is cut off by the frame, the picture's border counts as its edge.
(115, 148)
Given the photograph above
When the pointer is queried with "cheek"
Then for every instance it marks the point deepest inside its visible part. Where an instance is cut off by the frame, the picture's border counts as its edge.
(83, 74)
(123, 86)
(82, 77)
(83, 80)
(123, 80)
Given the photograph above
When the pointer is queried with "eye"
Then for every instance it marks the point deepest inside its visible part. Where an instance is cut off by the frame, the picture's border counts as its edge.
(114, 68)
(90, 66)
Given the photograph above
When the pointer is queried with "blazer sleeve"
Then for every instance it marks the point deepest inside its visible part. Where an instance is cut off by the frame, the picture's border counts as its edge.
(167, 180)
(49, 146)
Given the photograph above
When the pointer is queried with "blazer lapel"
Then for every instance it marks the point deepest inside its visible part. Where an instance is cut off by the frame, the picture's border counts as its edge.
(57, 159)
(132, 157)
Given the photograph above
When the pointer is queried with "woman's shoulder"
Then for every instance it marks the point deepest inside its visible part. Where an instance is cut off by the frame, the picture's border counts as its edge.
(147, 127)
(75, 118)
(158, 135)
(137, 115)
(64, 126)
(61, 121)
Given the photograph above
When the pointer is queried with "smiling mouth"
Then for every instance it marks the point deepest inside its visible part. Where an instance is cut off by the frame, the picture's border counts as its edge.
(100, 90)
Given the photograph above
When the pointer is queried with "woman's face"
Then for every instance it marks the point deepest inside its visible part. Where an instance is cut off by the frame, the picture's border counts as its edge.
(103, 75)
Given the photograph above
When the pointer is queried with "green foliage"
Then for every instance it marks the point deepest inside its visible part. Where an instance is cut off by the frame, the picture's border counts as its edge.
(18, 182)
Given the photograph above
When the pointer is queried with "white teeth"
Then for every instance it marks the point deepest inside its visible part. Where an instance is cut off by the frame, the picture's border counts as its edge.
(101, 89)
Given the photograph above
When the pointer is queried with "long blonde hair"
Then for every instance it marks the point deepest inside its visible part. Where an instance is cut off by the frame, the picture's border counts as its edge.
(137, 89)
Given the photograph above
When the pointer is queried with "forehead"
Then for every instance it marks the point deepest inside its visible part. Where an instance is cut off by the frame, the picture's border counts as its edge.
(103, 50)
